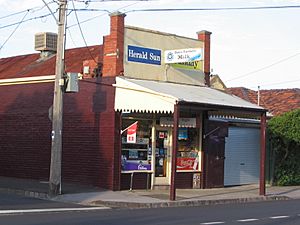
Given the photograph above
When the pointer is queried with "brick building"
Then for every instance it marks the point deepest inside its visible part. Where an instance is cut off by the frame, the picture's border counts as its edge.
(157, 79)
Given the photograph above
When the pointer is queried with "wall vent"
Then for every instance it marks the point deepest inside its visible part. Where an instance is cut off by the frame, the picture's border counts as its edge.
(45, 41)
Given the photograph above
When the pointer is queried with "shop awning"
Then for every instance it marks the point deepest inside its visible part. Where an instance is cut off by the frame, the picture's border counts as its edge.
(133, 95)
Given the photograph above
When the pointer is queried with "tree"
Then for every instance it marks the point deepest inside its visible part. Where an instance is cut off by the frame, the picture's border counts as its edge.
(285, 139)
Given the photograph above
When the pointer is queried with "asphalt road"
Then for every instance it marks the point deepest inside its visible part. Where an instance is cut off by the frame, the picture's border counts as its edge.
(16, 202)
(267, 213)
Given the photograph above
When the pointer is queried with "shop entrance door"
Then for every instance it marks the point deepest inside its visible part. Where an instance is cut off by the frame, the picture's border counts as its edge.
(214, 147)
(162, 156)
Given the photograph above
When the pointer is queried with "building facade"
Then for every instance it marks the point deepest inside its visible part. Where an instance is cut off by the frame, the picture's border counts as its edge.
(142, 117)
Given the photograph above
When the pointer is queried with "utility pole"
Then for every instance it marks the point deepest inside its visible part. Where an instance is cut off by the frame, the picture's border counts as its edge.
(57, 122)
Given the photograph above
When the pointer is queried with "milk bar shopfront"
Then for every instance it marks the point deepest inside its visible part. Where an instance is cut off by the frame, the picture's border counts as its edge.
(163, 103)
(172, 127)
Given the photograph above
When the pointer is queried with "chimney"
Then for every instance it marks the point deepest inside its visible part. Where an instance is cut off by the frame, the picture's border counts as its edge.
(113, 47)
(205, 37)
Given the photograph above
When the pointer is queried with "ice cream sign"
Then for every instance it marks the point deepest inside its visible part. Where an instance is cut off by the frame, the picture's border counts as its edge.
(183, 55)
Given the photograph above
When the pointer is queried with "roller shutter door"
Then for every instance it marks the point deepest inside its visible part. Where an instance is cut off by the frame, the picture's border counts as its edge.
(242, 156)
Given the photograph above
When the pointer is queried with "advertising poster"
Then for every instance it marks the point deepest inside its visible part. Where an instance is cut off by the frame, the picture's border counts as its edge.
(131, 133)
(187, 164)
(134, 165)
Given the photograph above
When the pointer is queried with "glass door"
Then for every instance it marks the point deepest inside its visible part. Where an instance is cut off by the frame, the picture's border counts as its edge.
(162, 156)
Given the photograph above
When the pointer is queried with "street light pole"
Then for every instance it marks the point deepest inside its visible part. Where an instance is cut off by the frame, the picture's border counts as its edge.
(56, 135)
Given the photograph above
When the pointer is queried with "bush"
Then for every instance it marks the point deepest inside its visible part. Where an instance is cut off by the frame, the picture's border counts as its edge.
(285, 138)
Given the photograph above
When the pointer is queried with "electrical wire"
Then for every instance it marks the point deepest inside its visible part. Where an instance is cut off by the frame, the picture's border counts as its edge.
(90, 1)
(76, 16)
(71, 37)
(91, 10)
(264, 68)
(87, 20)
(14, 14)
(102, 14)
(278, 83)
(34, 9)
(14, 30)
(215, 9)
(32, 18)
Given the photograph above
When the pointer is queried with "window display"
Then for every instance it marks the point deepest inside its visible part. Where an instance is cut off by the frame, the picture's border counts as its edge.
(136, 156)
(188, 149)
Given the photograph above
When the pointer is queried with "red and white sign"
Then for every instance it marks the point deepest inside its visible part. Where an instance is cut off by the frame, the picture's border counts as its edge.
(187, 164)
(131, 133)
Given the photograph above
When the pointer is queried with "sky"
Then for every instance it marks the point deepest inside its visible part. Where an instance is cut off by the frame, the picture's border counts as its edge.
(249, 48)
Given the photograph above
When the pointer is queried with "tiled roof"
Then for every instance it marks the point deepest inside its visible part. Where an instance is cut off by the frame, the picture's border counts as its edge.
(31, 65)
(277, 101)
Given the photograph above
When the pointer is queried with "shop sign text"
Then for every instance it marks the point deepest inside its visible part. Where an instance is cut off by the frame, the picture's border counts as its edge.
(144, 55)
(183, 55)
(187, 164)
(196, 65)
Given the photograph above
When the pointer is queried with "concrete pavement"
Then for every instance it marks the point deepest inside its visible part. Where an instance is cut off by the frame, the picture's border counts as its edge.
(88, 195)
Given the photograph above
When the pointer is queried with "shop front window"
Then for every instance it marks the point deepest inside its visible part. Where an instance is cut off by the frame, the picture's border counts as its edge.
(136, 150)
(188, 149)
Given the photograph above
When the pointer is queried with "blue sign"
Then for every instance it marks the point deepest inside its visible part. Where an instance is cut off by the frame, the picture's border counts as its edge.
(182, 133)
(144, 55)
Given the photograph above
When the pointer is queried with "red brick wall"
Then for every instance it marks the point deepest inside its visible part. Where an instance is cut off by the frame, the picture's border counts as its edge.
(113, 47)
(89, 154)
(25, 131)
(205, 37)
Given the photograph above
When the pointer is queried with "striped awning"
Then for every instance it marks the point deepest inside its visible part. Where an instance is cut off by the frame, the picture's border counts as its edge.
(148, 96)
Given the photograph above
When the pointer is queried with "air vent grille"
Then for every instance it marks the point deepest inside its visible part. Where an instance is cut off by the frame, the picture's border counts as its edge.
(45, 41)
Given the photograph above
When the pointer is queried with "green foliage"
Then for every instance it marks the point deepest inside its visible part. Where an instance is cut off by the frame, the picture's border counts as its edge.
(285, 141)
(286, 126)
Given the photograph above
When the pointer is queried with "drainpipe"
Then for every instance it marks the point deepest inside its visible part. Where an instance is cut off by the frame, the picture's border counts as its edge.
(174, 152)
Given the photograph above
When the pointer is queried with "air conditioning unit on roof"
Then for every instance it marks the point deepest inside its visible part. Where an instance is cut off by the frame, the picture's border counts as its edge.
(45, 41)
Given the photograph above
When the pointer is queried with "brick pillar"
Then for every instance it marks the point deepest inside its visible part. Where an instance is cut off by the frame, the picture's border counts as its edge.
(113, 47)
(205, 37)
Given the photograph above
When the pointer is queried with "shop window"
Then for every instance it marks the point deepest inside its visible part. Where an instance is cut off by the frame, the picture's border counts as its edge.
(188, 149)
(137, 155)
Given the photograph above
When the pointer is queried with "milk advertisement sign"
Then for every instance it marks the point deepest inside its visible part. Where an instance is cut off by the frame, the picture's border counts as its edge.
(183, 55)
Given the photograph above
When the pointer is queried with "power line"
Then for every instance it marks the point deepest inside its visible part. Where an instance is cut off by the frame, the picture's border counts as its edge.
(278, 83)
(71, 37)
(102, 14)
(26, 10)
(14, 14)
(91, 10)
(24, 21)
(264, 68)
(90, 1)
(14, 31)
(87, 20)
(76, 16)
(215, 9)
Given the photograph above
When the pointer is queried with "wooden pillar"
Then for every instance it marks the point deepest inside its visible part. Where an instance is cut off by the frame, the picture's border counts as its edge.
(153, 149)
(174, 153)
(262, 184)
(203, 151)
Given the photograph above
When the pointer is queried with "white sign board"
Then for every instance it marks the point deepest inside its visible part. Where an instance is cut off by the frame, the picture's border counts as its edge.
(183, 55)
(183, 122)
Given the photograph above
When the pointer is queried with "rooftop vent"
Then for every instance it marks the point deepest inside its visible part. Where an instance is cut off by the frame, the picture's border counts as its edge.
(45, 41)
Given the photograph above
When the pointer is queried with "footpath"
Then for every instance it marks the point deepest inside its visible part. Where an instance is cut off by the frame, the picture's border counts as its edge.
(87, 195)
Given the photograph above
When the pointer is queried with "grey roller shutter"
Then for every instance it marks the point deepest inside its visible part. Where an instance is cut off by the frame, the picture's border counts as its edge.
(242, 156)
